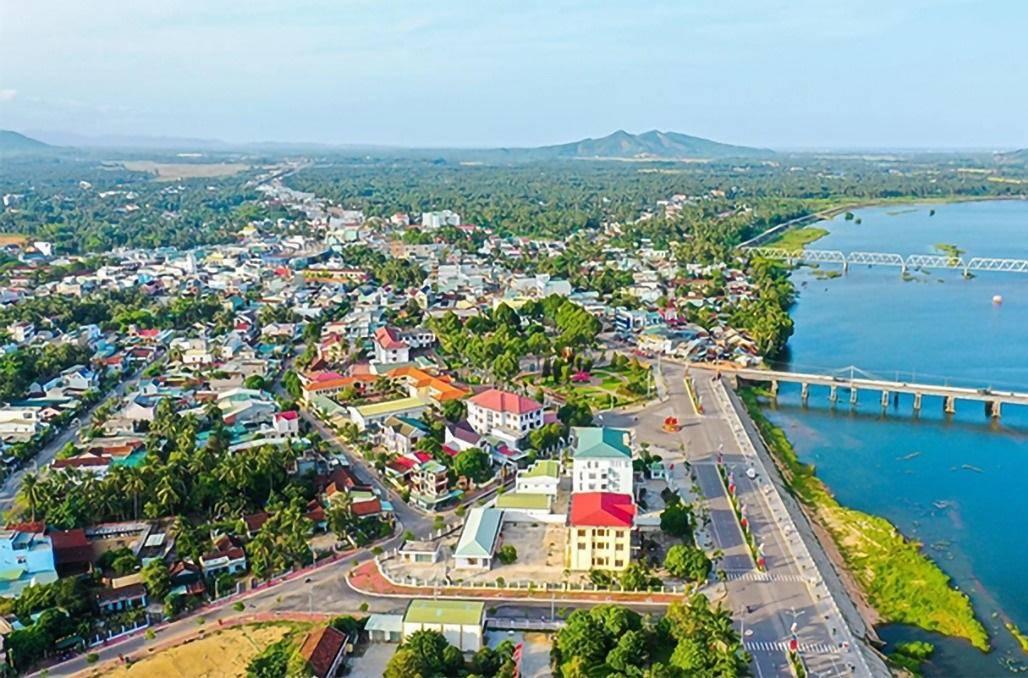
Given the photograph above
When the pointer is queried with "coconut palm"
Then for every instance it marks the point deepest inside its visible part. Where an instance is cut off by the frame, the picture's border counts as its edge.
(32, 491)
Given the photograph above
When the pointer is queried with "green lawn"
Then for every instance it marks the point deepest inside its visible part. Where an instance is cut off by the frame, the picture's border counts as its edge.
(797, 238)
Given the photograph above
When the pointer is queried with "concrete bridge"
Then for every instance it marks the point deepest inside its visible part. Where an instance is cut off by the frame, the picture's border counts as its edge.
(914, 261)
(993, 400)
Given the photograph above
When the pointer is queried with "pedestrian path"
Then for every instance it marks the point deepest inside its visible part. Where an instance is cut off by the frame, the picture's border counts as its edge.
(783, 646)
(756, 575)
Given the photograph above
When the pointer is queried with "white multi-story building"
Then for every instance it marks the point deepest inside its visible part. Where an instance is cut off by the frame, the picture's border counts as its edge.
(441, 218)
(508, 416)
(601, 461)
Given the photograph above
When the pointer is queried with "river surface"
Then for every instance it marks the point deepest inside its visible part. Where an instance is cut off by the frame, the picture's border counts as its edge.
(958, 484)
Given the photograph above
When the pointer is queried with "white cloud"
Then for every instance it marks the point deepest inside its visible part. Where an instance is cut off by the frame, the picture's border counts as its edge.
(8, 94)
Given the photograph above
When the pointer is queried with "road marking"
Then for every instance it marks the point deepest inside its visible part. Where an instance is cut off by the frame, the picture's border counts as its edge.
(754, 575)
(783, 646)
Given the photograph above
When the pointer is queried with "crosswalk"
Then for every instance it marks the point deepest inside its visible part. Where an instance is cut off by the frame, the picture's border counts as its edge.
(783, 646)
(756, 575)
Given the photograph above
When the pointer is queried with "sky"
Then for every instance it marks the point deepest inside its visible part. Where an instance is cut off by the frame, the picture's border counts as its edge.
(775, 73)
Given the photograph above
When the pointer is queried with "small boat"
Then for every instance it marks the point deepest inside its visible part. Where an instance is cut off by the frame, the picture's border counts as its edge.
(997, 299)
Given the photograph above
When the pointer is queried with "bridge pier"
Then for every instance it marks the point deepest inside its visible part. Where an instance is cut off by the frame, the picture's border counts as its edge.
(917, 402)
(949, 404)
(774, 388)
(853, 395)
(885, 400)
(804, 392)
(995, 407)
(833, 394)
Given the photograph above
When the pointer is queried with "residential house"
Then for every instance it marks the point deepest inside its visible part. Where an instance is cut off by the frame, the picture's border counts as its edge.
(324, 651)
(226, 556)
(26, 557)
(121, 598)
(542, 477)
(399, 434)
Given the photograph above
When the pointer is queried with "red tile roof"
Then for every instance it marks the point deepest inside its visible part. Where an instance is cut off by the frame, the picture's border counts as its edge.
(601, 509)
(504, 401)
(288, 415)
(387, 338)
(366, 508)
(320, 649)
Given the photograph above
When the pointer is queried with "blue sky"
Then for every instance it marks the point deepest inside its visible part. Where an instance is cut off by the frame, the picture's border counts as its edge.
(778, 73)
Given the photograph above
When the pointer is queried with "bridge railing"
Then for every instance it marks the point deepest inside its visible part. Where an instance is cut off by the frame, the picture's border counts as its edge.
(912, 261)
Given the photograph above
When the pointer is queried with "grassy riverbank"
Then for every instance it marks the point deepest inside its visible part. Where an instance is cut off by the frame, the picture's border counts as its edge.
(796, 239)
(900, 582)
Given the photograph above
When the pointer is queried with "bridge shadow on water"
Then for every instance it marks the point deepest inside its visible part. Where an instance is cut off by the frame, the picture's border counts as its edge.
(903, 414)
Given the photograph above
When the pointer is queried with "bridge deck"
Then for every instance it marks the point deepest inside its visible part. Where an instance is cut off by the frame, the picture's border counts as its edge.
(961, 393)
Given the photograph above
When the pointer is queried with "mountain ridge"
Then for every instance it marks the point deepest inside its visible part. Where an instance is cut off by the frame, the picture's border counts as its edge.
(15, 142)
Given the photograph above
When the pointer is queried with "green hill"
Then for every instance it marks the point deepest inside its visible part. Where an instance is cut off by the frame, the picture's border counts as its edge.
(13, 142)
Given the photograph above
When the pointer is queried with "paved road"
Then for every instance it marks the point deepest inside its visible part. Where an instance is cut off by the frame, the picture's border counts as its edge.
(767, 607)
(9, 491)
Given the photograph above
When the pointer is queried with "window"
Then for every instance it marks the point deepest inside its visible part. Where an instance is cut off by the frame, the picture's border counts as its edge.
(619, 563)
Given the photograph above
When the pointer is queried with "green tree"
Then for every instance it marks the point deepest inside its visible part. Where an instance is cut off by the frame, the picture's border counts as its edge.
(687, 562)
(157, 579)
(474, 464)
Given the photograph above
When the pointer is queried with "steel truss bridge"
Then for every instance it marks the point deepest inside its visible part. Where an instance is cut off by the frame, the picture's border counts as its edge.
(913, 261)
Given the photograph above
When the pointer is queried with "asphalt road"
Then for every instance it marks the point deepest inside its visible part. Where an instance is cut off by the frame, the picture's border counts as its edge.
(9, 491)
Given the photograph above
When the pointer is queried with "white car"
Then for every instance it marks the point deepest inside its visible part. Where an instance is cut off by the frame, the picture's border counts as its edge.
(751, 474)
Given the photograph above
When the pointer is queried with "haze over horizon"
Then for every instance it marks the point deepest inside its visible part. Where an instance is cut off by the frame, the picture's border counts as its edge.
(803, 74)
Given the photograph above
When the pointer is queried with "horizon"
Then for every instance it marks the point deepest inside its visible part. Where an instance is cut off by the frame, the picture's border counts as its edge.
(472, 77)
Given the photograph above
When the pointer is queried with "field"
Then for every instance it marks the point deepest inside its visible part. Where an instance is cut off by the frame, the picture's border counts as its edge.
(900, 582)
(184, 170)
(221, 653)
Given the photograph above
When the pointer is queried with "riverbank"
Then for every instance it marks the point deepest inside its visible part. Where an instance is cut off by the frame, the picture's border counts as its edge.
(899, 582)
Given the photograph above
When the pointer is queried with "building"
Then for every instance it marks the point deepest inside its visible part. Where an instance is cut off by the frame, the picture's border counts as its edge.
(399, 434)
(389, 347)
(226, 556)
(26, 557)
(384, 628)
(507, 416)
(286, 423)
(18, 423)
(478, 539)
(460, 621)
(365, 415)
(439, 219)
(542, 477)
(324, 651)
(600, 531)
(430, 484)
(601, 460)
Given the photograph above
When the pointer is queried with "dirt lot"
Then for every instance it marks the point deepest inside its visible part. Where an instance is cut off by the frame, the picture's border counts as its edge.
(223, 653)
(184, 170)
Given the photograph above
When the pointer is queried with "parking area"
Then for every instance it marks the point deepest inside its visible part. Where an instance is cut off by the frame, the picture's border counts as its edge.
(371, 659)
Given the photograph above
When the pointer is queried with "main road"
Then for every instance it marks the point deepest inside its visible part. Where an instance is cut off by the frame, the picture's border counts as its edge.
(800, 595)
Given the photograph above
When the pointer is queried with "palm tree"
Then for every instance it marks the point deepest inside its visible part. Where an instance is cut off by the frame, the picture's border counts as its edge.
(167, 494)
(31, 490)
(134, 485)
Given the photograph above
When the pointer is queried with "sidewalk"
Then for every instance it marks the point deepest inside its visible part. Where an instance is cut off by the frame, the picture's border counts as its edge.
(369, 580)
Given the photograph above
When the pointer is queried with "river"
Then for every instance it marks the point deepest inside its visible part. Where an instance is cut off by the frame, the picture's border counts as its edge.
(957, 484)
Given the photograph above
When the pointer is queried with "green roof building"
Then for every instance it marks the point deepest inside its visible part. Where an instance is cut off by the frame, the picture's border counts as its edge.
(478, 540)
(460, 621)
(600, 442)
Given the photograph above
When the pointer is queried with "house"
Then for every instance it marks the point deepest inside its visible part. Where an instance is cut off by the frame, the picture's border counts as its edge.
(542, 477)
(324, 651)
(430, 484)
(18, 423)
(507, 416)
(460, 621)
(400, 433)
(226, 556)
(601, 460)
(389, 347)
(286, 423)
(118, 599)
(79, 378)
(479, 539)
(72, 551)
(22, 332)
(26, 557)
(599, 531)
(416, 551)
(523, 507)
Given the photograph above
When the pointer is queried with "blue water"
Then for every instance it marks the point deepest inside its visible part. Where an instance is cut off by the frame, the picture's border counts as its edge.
(957, 484)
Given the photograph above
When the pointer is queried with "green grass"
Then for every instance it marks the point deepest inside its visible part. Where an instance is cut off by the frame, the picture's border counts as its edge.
(900, 582)
(796, 239)
(1020, 637)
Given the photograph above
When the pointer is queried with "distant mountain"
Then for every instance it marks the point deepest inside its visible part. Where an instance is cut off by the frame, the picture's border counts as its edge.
(1018, 157)
(652, 145)
(13, 142)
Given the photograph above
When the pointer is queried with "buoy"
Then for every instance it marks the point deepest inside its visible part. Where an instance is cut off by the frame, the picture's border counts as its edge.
(997, 299)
